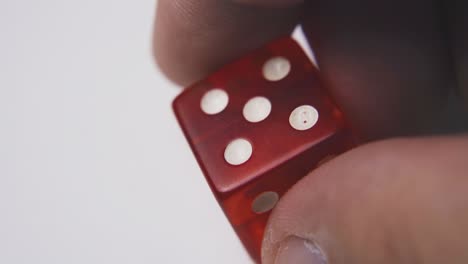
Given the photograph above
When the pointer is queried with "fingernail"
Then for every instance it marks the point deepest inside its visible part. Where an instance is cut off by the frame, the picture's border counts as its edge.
(295, 250)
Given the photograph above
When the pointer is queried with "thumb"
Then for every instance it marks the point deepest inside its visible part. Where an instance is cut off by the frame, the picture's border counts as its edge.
(396, 201)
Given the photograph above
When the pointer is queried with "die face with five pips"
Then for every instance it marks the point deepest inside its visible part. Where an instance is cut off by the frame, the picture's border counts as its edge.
(256, 127)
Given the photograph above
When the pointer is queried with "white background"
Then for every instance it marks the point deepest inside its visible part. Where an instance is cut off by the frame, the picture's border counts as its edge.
(93, 167)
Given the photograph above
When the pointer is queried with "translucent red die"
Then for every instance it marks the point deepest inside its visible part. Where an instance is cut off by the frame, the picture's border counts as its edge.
(257, 126)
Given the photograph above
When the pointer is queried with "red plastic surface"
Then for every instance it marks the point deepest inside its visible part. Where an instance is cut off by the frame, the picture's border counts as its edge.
(281, 154)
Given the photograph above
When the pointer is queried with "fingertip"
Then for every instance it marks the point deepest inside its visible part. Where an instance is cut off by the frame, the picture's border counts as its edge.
(195, 38)
(166, 41)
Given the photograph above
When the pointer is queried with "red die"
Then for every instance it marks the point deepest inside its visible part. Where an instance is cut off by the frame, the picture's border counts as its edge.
(256, 127)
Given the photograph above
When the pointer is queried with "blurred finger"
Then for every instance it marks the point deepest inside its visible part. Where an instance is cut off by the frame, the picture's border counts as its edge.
(195, 37)
(270, 3)
(386, 62)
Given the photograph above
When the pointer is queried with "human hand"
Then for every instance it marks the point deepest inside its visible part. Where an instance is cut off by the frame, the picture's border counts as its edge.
(390, 66)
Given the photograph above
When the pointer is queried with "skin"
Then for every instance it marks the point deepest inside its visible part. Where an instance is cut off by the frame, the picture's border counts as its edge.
(390, 65)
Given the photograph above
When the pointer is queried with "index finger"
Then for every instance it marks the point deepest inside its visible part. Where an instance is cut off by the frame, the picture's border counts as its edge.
(193, 38)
